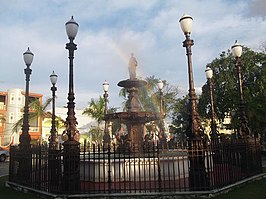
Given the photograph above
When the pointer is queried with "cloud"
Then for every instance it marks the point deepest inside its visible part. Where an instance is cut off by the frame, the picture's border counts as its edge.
(109, 31)
(256, 8)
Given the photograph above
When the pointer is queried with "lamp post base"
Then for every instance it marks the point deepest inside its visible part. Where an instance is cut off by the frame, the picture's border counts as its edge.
(198, 178)
(71, 176)
(24, 168)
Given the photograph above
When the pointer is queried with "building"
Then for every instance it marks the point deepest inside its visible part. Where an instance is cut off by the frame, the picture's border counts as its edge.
(84, 123)
(12, 105)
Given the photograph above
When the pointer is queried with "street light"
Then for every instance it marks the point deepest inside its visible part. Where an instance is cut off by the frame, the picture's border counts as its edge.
(198, 179)
(244, 130)
(25, 137)
(24, 168)
(53, 163)
(160, 87)
(195, 131)
(106, 137)
(105, 95)
(53, 140)
(71, 135)
(162, 136)
(209, 74)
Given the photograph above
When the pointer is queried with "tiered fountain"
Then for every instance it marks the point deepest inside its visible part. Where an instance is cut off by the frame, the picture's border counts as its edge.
(134, 118)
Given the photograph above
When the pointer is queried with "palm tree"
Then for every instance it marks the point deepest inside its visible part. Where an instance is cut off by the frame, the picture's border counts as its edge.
(96, 111)
(39, 111)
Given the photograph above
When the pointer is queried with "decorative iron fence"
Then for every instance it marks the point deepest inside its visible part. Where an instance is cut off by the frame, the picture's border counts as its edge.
(153, 168)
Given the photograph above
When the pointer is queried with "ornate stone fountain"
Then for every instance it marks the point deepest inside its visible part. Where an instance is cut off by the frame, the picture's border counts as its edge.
(134, 118)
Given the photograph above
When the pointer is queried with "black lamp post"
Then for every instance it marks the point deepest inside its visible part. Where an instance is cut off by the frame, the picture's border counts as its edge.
(209, 74)
(53, 160)
(162, 136)
(160, 87)
(106, 137)
(105, 96)
(53, 140)
(25, 137)
(24, 168)
(71, 134)
(197, 173)
(194, 130)
(244, 130)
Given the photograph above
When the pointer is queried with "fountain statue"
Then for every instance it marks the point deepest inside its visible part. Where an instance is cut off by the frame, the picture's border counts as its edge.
(132, 67)
(134, 118)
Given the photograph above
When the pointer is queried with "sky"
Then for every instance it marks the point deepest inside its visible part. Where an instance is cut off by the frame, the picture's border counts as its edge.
(109, 31)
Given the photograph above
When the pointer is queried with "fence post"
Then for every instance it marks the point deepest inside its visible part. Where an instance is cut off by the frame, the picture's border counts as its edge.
(109, 169)
(159, 167)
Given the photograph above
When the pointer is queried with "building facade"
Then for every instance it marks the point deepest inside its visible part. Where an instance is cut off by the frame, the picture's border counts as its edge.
(84, 123)
(12, 105)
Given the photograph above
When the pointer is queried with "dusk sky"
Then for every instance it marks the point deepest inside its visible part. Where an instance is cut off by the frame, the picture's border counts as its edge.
(109, 30)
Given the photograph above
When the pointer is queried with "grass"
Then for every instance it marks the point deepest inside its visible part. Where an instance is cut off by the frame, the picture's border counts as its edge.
(12, 194)
(252, 190)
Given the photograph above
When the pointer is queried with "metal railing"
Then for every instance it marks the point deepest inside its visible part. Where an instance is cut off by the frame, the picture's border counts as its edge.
(110, 169)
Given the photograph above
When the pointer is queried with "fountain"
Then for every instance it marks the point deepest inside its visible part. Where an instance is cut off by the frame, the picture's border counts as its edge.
(132, 162)
(134, 118)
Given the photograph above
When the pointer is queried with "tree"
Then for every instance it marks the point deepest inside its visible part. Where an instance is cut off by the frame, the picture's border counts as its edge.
(226, 97)
(96, 111)
(180, 118)
(38, 111)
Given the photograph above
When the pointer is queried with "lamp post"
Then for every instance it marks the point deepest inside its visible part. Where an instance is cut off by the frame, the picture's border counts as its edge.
(209, 74)
(162, 136)
(71, 134)
(244, 130)
(160, 87)
(197, 174)
(194, 130)
(105, 95)
(106, 137)
(53, 160)
(53, 140)
(24, 168)
(24, 138)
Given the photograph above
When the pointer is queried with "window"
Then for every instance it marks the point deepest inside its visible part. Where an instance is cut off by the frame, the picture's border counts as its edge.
(33, 124)
(12, 98)
(1, 119)
(19, 99)
(11, 117)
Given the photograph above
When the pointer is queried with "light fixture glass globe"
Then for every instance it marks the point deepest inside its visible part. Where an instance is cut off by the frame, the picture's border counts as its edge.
(28, 57)
(186, 23)
(209, 73)
(160, 84)
(105, 86)
(53, 78)
(72, 28)
(236, 49)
